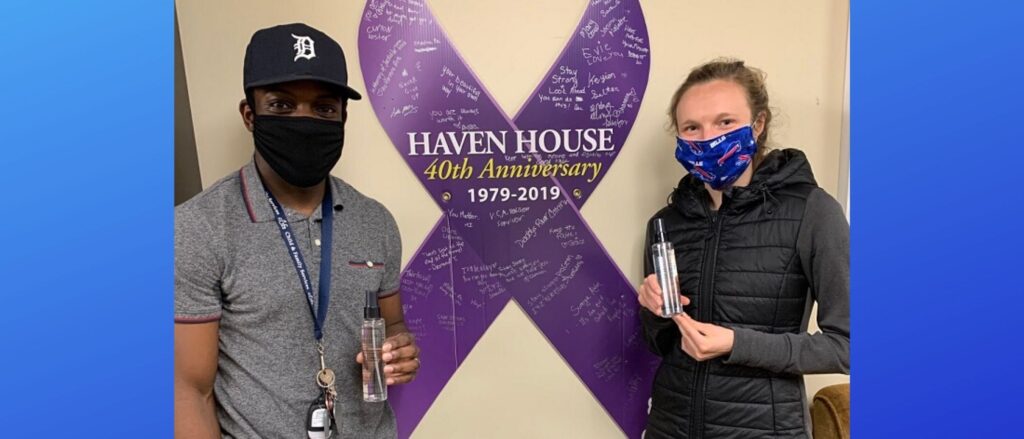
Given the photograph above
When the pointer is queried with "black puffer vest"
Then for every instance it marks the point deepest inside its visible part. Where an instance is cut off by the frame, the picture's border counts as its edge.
(739, 268)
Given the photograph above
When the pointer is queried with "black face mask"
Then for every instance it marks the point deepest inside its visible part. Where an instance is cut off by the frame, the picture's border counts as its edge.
(302, 150)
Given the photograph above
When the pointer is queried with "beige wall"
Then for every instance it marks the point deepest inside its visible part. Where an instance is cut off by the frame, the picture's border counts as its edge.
(513, 374)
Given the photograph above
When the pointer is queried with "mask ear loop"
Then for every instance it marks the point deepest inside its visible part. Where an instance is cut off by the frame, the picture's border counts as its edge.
(753, 126)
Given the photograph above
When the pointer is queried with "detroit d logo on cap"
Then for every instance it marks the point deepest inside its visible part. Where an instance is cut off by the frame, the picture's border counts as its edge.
(303, 48)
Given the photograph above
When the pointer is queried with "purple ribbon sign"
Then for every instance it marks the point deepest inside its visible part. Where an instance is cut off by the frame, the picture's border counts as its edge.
(511, 190)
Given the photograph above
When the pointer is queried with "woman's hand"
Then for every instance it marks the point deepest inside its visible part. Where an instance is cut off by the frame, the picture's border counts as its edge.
(649, 295)
(703, 341)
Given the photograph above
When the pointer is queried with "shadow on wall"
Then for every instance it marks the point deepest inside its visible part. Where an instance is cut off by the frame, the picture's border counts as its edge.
(187, 182)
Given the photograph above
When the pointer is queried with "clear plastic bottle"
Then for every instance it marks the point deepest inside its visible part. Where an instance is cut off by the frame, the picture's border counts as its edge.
(375, 387)
(665, 269)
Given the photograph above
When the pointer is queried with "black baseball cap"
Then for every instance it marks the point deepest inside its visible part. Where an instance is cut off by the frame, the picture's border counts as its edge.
(291, 52)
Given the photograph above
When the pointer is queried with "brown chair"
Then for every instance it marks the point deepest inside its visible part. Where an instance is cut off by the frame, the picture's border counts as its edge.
(830, 412)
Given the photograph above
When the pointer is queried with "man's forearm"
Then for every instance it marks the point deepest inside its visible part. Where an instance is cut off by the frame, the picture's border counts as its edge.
(195, 414)
(397, 327)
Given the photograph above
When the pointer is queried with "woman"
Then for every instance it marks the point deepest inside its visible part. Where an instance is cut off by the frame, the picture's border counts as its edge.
(757, 242)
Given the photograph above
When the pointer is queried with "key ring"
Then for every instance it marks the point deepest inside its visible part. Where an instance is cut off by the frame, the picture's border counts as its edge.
(327, 380)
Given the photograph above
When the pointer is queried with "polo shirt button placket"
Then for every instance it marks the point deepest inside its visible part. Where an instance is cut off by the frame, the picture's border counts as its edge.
(315, 231)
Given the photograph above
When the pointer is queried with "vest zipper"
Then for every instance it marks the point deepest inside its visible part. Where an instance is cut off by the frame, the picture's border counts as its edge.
(704, 314)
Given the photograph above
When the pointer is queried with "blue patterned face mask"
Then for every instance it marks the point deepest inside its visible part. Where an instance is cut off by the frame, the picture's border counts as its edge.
(719, 161)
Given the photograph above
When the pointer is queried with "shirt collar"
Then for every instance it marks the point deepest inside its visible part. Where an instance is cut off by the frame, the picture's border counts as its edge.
(257, 205)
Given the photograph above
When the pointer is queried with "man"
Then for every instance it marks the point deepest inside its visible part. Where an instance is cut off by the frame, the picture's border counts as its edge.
(260, 316)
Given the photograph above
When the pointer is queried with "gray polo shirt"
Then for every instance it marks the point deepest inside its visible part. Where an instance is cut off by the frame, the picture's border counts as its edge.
(231, 265)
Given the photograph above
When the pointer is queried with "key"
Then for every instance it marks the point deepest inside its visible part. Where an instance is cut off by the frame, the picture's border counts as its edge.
(329, 399)
(325, 376)
(325, 379)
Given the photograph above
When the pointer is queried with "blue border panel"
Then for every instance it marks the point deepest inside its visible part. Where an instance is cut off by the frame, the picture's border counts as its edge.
(86, 171)
(937, 99)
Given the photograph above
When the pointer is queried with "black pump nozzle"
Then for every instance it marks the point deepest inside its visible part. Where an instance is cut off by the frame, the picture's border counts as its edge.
(659, 229)
(371, 310)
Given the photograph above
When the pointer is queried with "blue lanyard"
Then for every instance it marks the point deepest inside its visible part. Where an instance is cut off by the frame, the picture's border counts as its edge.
(327, 209)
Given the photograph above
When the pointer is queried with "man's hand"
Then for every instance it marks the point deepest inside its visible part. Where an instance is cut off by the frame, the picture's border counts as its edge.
(401, 358)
